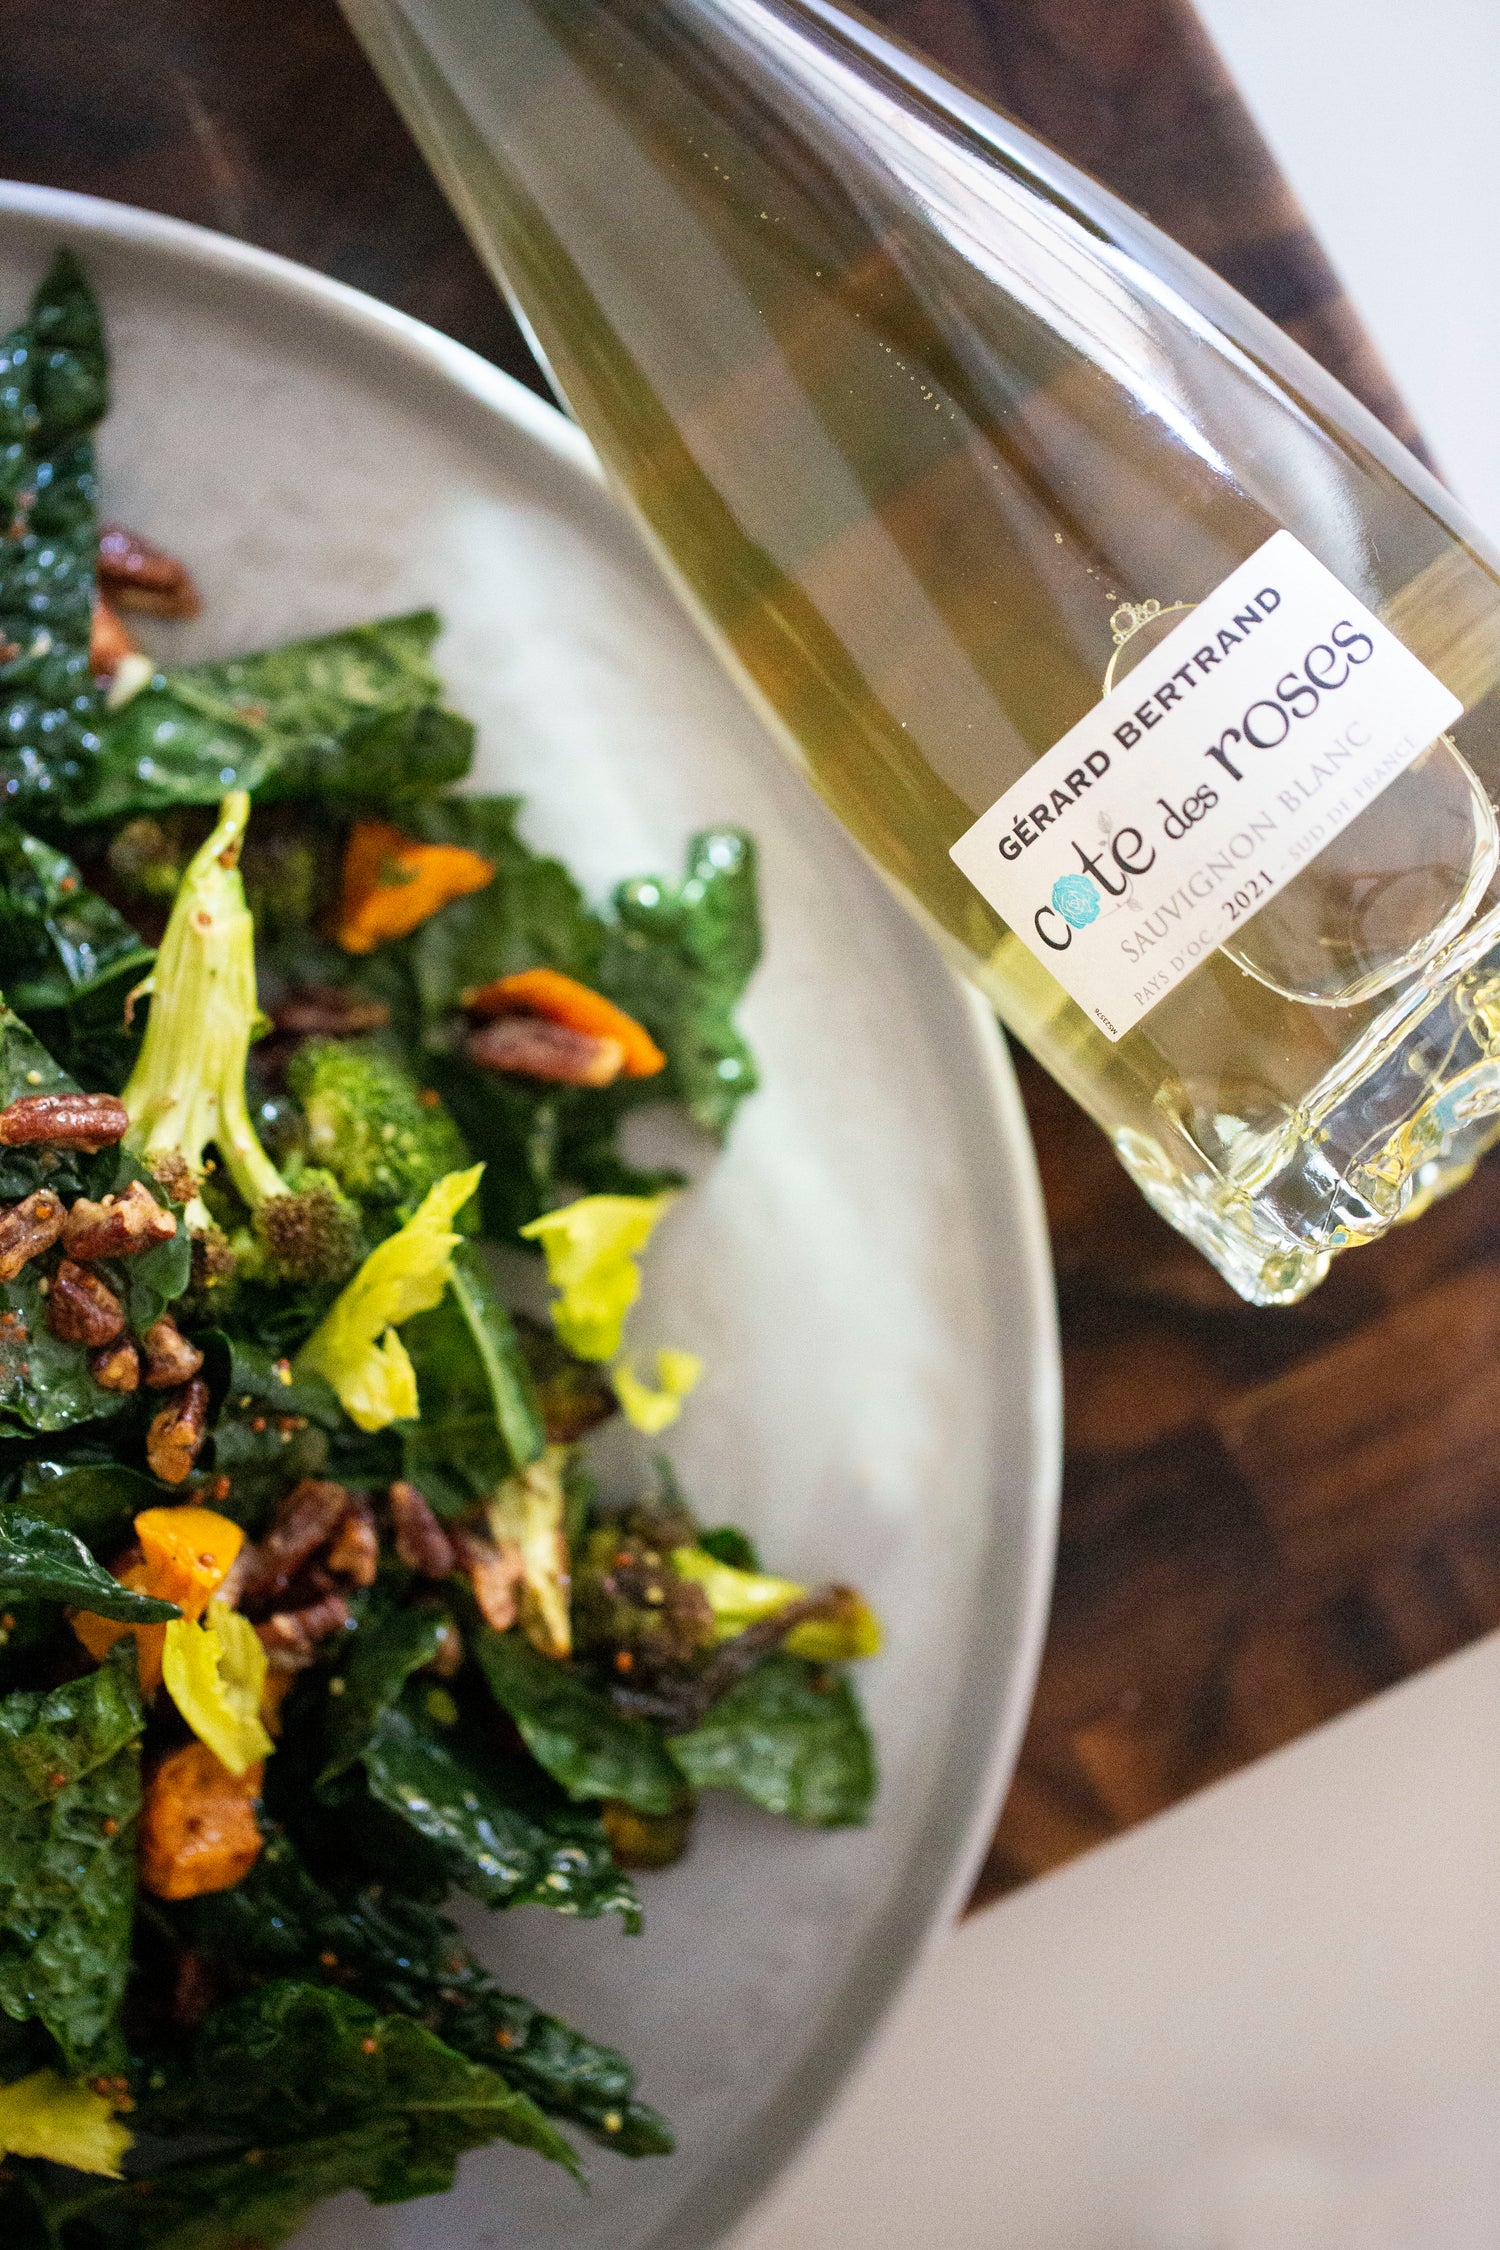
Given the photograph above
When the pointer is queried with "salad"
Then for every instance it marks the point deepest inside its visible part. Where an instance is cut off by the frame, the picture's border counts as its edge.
(318, 1251)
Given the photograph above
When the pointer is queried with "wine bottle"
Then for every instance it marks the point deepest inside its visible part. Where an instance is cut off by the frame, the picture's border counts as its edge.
(1150, 671)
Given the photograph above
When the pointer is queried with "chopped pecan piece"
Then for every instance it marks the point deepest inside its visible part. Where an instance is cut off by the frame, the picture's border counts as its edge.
(495, 1573)
(328, 1011)
(175, 1438)
(170, 1358)
(109, 640)
(27, 1228)
(306, 1519)
(355, 1552)
(290, 1638)
(81, 1309)
(120, 1227)
(86, 1121)
(421, 1542)
(117, 1366)
(530, 1047)
(142, 576)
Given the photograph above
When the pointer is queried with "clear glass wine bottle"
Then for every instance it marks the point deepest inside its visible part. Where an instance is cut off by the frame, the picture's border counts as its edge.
(955, 456)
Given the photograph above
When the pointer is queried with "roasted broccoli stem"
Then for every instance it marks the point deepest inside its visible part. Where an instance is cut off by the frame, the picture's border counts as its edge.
(187, 1090)
(384, 1138)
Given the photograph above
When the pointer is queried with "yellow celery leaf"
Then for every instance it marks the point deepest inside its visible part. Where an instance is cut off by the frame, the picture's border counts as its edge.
(590, 1247)
(653, 1411)
(62, 2122)
(743, 1597)
(215, 1673)
(355, 1346)
(527, 1512)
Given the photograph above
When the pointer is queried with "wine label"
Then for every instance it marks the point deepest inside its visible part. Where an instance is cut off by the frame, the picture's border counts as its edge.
(1195, 790)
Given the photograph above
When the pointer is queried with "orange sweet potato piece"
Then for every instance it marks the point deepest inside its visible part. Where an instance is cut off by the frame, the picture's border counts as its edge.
(392, 883)
(198, 1827)
(547, 992)
(186, 1554)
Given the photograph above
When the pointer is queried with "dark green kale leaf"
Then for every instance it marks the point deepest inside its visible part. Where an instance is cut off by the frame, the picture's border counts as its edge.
(385, 1650)
(728, 1544)
(45, 1384)
(532, 915)
(588, 1746)
(68, 961)
(500, 1833)
(39, 1560)
(59, 941)
(678, 959)
(354, 717)
(223, 2202)
(69, 1794)
(402, 1954)
(53, 389)
(292, 2061)
(95, 1500)
(791, 1737)
(271, 1428)
(480, 1419)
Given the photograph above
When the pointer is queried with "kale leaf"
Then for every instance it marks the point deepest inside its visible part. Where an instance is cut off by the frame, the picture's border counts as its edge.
(678, 958)
(69, 1794)
(291, 2061)
(400, 1953)
(495, 1832)
(59, 941)
(354, 717)
(39, 1560)
(791, 1737)
(533, 913)
(45, 1384)
(53, 389)
(386, 1649)
(95, 1500)
(588, 1746)
(271, 1428)
(480, 1419)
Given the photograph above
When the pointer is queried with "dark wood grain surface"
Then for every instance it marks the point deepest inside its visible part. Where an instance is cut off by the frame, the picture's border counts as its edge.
(1268, 1516)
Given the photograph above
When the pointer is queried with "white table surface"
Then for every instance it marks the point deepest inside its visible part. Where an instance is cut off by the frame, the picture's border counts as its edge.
(1270, 2019)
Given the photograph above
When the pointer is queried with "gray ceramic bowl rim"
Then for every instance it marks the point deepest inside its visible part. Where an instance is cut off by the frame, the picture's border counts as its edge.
(806, 2095)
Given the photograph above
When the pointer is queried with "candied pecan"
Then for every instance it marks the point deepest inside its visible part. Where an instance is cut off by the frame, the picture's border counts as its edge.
(119, 1227)
(81, 1309)
(329, 1011)
(86, 1121)
(355, 1552)
(306, 1519)
(495, 1573)
(117, 1366)
(109, 640)
(27, 1228)
(175, 1438)
(142, 576)
(170, 1358)
(421, 1542)
(290, 1638)
(530, 1047)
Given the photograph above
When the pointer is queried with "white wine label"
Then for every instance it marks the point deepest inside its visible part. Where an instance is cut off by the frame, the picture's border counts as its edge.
(1195, 791)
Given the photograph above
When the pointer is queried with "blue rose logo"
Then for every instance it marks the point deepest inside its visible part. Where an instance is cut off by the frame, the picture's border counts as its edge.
(1077, 900)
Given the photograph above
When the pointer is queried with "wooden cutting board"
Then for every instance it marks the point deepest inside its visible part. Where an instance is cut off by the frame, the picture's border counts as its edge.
(1268, 1516)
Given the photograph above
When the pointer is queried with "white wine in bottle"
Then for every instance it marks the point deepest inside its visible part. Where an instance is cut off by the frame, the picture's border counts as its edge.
(1145, 665)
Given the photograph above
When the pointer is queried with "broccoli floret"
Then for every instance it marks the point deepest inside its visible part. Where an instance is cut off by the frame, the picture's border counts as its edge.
(382, 1136)
(187, 1090)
